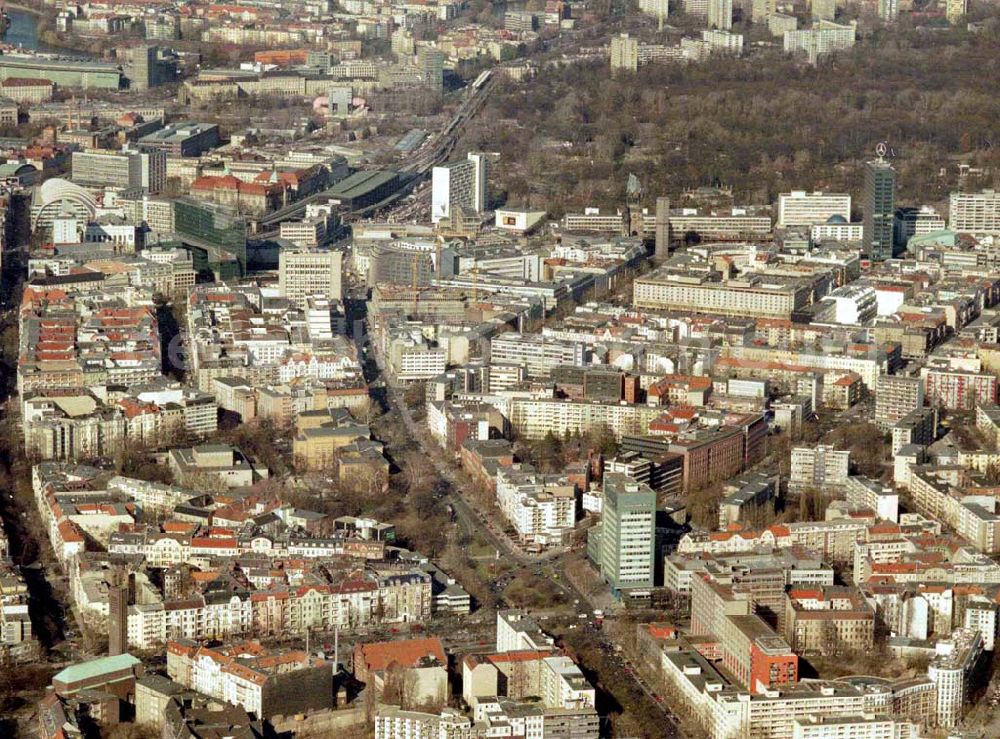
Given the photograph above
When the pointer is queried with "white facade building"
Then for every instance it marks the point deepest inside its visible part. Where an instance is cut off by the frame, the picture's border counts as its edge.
(975, 212)
(459, 184)
(800, 208)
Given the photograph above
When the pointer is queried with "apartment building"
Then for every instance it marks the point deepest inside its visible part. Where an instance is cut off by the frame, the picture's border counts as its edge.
(895, 397)
(867, 494)
(541, 508)
(800, 208)
(828, 621)
(974, 212)
(957, 389)
(534, 418)
(264, 682)
(720, 14)
(823, 468)
(954, 670)
(953, 496)
(916, 427)
(624, 52)
(305, 273)
(823, 38)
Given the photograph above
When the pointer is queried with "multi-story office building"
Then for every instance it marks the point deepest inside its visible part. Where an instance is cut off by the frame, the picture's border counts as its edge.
(836, 229)
(800, 208)
(748, 296)
(120, 169)
(975, 212)
(309, 233)
(821, 467)
(720, 14)
(624, 52)
(461, 184)
(538, 354)
(215, 235)
(879, 209)
(182, 139)
(916, 222)
(895, 397)
(622, 546)
(304, 273)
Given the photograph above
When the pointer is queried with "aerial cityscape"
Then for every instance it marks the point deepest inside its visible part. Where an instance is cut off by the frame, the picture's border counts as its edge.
(468, 369)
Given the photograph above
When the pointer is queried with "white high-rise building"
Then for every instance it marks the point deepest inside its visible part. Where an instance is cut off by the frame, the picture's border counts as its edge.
(975, 212)
(824, 37)
(800, 208)
(656, 8)
(720, 14)
(821, 467)
(888, 10)
(459, 184)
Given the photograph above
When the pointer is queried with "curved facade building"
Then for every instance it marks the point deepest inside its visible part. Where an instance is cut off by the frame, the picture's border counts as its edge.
(58, 197)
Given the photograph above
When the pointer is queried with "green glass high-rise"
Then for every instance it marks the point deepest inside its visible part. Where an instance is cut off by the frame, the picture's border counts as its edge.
(216, 236)
(879, 209)
(623, 545)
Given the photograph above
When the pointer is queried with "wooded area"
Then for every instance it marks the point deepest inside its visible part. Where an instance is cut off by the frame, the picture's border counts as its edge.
(761, 125)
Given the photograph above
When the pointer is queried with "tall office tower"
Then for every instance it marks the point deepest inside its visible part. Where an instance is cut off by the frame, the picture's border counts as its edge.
(824, 10)
(720, 14)
(146, 66)
(459, 184)
(880, 209)
(955, 10)
(761, 9)
(624, 53)
(888, 10)
(430, 62)
(624, 547)
(662, 228)
(975, 212)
